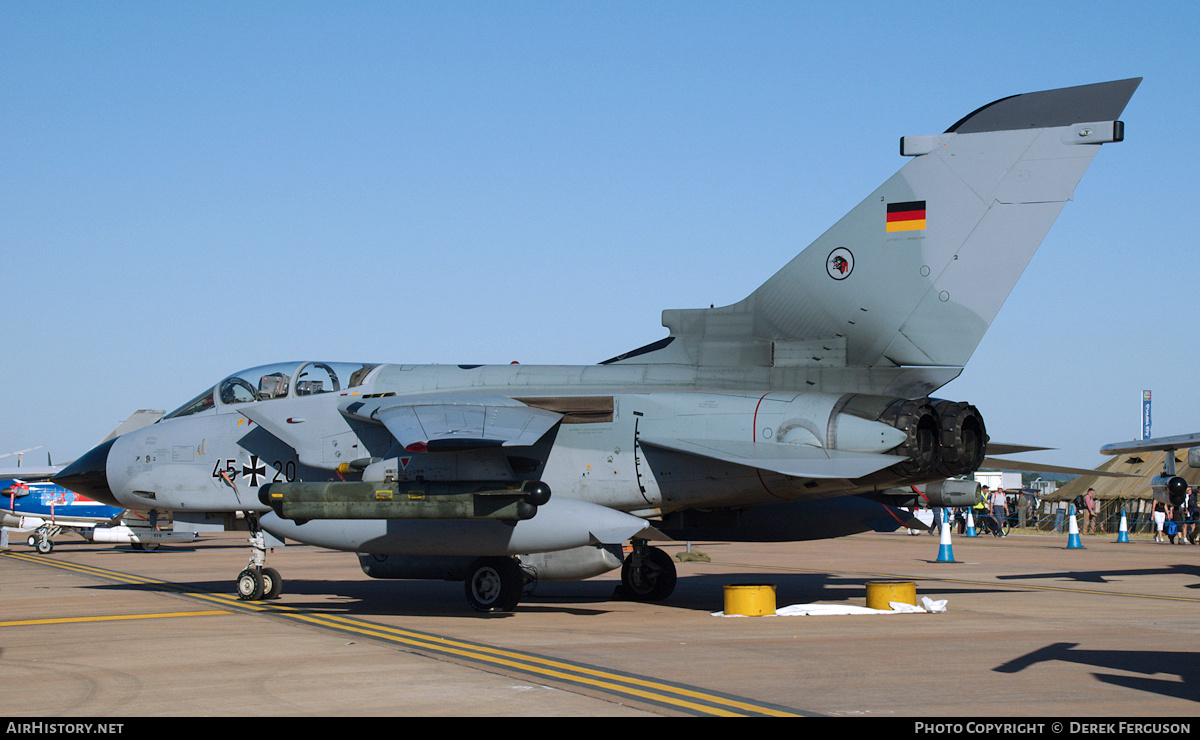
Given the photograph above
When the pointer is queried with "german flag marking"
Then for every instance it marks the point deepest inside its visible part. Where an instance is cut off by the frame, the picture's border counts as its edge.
(908, 216)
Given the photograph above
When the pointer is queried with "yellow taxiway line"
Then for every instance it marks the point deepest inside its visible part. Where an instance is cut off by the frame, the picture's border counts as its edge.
(111, 618)
(688, 699)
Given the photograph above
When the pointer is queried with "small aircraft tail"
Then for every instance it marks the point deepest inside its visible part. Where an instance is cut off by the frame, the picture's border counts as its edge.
(915, 273)
(136, 420)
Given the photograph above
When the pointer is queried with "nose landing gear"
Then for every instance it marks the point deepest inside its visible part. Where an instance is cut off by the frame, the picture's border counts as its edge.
(258, 582)
(41, 540)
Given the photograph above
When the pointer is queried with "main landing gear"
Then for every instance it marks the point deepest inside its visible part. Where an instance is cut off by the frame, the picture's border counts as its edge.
(494, 584)
(258, 582)
(648, 574)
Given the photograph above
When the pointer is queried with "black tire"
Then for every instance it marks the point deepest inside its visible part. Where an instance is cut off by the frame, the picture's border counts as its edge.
(250, 584)
(654, 582)
(494, 585)
(272, 583)
(44, 545)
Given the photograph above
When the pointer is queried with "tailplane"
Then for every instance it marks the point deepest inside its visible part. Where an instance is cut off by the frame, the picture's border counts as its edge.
(915, 273)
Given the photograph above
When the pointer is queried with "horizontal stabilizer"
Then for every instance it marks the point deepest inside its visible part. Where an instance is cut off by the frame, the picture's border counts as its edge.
(800, 461)
(1029, 467)
(999, 448)
(1177, 442)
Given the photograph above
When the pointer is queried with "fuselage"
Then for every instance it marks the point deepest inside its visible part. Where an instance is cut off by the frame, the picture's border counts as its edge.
(282, 423)
(30, 505)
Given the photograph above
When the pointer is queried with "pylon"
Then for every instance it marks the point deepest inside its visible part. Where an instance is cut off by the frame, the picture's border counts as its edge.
(970, 524)
(1123, 534)
(1073, 542)
(945, 551)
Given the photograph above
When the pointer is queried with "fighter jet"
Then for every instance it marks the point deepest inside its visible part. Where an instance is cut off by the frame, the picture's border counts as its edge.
(800, 412)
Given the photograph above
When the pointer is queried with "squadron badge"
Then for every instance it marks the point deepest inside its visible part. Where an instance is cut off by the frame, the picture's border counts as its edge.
(840, 263)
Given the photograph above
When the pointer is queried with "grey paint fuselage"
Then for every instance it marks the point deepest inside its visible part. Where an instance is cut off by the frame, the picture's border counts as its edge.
(598, 462)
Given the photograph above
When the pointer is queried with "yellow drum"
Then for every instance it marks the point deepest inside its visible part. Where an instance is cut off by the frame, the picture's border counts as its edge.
(750, 600)
(880, 593)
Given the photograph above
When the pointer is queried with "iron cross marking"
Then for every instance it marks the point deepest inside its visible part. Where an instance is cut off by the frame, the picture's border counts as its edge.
(253, 470)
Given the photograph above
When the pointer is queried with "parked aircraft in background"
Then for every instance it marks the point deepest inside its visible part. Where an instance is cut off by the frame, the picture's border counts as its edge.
(30, 472)
(46, 510)
(29, 502)
(800, 412)
(1168, 488)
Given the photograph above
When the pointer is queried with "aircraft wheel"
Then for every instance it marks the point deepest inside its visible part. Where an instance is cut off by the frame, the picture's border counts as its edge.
(272, 583)
(494, 585)
(654, 581)
(150, 546)
(250, 584)
(44, 545)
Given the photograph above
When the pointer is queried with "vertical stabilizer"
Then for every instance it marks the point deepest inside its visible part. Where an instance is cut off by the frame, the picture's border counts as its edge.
(915, 273)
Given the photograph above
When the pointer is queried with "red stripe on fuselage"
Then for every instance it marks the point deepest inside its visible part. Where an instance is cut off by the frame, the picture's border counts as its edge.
(754, 439)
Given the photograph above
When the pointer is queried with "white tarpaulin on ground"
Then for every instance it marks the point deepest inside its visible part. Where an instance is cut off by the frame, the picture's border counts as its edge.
(809, 610)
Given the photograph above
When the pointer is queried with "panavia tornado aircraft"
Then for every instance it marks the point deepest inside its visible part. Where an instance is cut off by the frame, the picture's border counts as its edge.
(801, 412)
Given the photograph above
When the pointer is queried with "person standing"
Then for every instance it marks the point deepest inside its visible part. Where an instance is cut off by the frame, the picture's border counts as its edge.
(1193, 513)
(1175, 516)
(999, 508)
(1159, 510)
(1089, 511)
(983, 504)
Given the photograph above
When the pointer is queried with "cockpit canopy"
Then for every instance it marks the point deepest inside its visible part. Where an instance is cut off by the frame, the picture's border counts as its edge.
(281, 380)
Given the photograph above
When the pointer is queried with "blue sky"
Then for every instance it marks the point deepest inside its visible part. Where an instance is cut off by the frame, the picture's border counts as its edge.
(189, 189)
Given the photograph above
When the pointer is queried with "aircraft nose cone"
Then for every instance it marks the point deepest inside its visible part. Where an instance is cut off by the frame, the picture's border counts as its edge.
(88, 476)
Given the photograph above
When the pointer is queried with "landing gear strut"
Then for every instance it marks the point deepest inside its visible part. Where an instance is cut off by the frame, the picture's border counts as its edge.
(41, 542)
(41, 539)
(648, 574)
(258, 582)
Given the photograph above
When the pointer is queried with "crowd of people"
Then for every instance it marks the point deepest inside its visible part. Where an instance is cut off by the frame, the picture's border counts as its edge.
(1177, 521)
(997, 511)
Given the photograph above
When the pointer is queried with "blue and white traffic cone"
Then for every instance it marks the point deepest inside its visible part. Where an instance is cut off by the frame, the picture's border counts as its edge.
(1073, 542)
(945, 551)
(970, 524)
(1123, 533)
